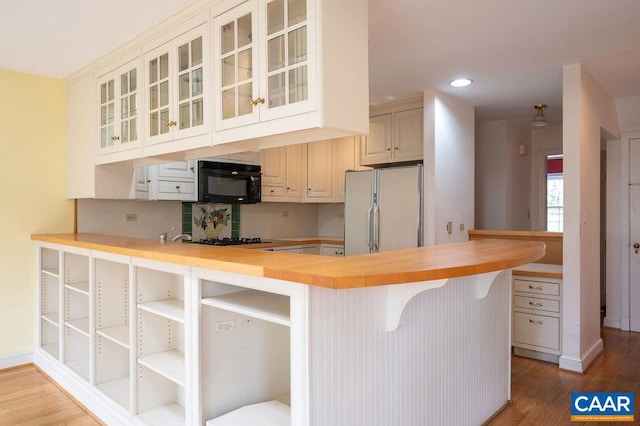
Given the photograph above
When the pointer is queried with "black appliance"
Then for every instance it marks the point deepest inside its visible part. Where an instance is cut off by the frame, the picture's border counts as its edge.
(228, 183)
(229, 241)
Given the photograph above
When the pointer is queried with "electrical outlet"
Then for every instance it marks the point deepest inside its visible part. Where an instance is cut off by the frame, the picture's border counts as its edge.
(130, 217)
(462, 226)
(224, 325)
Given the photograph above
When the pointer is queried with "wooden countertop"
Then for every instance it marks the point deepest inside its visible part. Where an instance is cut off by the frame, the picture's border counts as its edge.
(539, 270)
(396, 267)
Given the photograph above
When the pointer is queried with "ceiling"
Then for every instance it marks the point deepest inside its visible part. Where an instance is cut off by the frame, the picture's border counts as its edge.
(513, 50)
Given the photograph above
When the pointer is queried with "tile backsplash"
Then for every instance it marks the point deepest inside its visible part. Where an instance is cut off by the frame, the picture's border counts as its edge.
(214, 220)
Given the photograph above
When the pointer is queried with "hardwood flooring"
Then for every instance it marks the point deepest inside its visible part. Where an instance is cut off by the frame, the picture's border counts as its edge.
(541, 393)
(29, 398)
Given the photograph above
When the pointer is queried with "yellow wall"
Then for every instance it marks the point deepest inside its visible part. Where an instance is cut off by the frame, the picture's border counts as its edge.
(32, 171)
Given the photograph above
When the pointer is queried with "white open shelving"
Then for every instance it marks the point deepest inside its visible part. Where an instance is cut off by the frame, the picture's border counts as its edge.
(52, 318)
(169, 414)
(169, 364)
(118, 334)
(80, 287)
(81, 325)
(255, 304)
(117, 390)
(172, 309)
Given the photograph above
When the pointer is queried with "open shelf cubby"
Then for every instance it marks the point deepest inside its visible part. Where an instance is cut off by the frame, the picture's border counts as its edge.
(232, 373)
(160, 401)
(112, 370)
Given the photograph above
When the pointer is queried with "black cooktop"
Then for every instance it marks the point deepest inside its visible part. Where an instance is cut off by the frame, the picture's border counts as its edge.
(229, 241)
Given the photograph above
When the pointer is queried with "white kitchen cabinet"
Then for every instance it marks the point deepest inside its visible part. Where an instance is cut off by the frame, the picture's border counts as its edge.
(86, 179)
(395, 135)
(158, 343)
(244, 157)
(283, 171)
(163, 382)
(277, 70)
(119, 102)
(169, 181)
(537, 317)
(49, 296)
(344, 158)
(177, 92)
(332, 249)
(76, 311)
(319, 172)
(114, 327)
(265, 67)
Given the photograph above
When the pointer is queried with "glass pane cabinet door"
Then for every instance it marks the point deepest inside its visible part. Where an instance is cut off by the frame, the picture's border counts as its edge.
(236, 87)
(190, 84)
(129, 106)
(159, 96)
(107, 114)
(287, 61)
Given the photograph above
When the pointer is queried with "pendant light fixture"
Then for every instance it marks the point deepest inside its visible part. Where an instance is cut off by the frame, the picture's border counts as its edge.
(539, 120)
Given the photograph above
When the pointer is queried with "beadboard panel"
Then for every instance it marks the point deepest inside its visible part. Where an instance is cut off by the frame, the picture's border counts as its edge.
(447, 363)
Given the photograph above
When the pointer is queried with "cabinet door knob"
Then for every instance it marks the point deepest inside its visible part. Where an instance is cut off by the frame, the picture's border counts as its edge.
(395, 148)
(534, 287)
(388, 149)
(178, 188)
(272, 191)
(115, 138)
(171, 123)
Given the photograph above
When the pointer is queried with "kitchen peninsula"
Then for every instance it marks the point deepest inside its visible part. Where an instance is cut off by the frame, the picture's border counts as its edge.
(148, 333)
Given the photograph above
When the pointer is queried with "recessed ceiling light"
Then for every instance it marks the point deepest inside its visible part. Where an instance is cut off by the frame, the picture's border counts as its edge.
(460, 82)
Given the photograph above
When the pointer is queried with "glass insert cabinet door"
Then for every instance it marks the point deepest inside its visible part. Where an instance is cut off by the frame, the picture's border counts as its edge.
(176, 87)
(287, 52)
(118, 105)
(237, 90)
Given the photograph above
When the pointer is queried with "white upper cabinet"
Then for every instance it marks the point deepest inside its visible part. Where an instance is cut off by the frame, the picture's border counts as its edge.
(176, 94)
(261, 57)
(118, 111)
(396, 134)
(283, 170)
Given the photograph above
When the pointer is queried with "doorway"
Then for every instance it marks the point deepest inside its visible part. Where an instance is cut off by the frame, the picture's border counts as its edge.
(634, 235)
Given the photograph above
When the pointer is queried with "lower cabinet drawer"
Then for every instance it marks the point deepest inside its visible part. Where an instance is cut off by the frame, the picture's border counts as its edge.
(535, 303)
(272, 191)
(169, 187)
(536, 287)
(536, 330)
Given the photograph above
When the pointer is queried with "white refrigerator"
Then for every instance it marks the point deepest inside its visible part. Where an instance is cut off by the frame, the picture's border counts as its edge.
(383, 209)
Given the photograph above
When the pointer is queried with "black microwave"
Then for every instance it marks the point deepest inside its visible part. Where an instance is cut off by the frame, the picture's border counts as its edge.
(228, 183)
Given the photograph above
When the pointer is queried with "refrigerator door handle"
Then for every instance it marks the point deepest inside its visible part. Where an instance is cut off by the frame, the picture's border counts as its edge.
(369, 223)
(376, 229)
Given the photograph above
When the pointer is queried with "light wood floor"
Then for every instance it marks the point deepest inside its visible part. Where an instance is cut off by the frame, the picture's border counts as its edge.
(28, 397)
(541, 393)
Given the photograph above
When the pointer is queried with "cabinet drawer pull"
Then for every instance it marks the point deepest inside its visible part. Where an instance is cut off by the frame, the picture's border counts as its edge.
(536, 322)
(533, 287)
(536, 304)
(178, 188)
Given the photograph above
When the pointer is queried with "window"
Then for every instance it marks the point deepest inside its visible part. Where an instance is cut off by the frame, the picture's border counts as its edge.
(555, 198)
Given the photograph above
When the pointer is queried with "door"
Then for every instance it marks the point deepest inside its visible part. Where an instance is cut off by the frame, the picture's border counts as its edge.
(399, 208)
(634, 235)
(357, 208)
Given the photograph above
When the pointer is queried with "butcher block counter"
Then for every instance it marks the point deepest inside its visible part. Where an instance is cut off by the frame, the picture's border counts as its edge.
(396, 267)
(150, 333)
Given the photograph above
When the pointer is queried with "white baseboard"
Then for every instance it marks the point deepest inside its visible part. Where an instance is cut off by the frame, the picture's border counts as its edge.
(580, 365)
(14, 360)
(612, 323)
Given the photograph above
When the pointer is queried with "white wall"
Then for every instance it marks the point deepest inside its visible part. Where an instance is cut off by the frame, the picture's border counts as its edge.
(587, 109)
(279, 220)
(107, 217)
(502, 176)
(490, 176)
(449, 152)
(264, 220)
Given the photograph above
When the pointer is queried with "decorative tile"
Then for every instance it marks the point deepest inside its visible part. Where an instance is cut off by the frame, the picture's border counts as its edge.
(211, 221)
